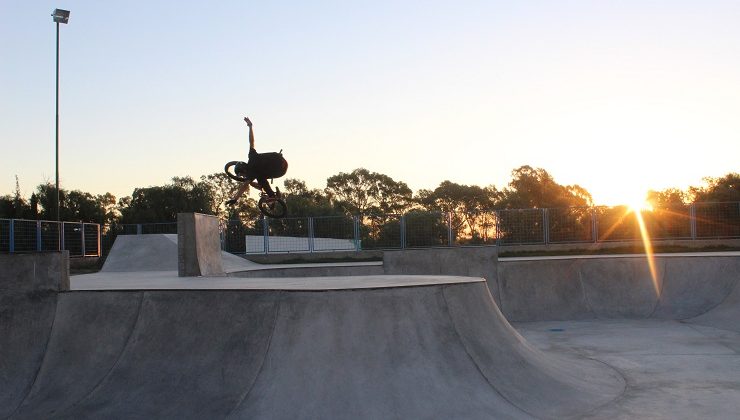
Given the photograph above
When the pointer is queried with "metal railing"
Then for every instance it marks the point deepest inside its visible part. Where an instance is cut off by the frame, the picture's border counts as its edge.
(420, 229)
(20, 235)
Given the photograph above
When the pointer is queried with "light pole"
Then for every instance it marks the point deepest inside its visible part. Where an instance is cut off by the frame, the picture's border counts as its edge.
(60, 16)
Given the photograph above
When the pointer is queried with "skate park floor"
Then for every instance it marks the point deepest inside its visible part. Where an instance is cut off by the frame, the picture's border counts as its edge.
(673, 370)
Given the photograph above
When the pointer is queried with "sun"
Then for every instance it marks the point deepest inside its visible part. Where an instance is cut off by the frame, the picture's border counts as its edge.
(640, 205)
(637, 201)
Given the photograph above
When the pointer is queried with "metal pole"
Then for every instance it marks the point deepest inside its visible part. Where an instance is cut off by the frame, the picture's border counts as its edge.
(450, 240)
(82, 240)
(545, 227)
(356, 228)
(402, 225)
(11, 235)
(39, 242)
(311, 234)
(57, 125)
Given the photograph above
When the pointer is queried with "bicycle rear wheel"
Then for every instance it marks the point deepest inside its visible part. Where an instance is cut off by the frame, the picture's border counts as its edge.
(272, 207)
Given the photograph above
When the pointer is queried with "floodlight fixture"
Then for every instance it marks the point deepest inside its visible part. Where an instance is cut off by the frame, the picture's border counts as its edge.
(60, 15)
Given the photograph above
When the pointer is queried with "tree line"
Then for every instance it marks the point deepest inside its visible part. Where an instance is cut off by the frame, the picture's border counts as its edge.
(359, 192)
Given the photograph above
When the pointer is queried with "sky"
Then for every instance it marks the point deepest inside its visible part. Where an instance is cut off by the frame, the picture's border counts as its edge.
(616, 96)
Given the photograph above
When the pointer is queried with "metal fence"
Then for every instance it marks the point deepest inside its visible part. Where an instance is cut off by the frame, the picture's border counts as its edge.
(80, 239)
(419, 229)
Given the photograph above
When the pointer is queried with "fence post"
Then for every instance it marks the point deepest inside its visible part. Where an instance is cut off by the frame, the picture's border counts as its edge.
(138, 228)
(402, 226)
(594, 225)
(356, 227)
(39, 245)
(692, 220)
(82, 241)
(61, 236)
(310, 235)
(266, 235)
(99, 248)
(450, 239)
(11, 232)
(545, 226)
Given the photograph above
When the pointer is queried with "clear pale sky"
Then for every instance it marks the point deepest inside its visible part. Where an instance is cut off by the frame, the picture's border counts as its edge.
(617, 96)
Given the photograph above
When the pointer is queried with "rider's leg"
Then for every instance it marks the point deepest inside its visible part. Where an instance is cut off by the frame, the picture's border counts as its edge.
(266, 186)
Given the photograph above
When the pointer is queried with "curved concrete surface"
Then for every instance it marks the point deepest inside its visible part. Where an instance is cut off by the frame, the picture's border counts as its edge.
(726, 315)
(29, 284)
(440, 351)
(686, 286)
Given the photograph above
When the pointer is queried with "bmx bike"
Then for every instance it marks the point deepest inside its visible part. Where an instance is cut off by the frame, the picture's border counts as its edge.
(269, 206)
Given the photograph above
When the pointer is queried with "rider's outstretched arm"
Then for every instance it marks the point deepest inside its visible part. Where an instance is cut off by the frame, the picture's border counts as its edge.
(244, 187)
(251, 133)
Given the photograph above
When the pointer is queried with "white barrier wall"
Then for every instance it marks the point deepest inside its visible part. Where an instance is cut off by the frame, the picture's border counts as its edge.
(256, 244)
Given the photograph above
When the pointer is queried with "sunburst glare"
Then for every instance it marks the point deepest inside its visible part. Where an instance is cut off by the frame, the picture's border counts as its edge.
(649, 254)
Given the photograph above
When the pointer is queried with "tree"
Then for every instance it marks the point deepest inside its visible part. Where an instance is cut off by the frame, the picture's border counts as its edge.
(724, 189)
(221, 188)
(14, 206)
(161, 204)
(536, 188)
(74, 205)
(469, 205)
(363, 192)
(670, 197)
(303, 202)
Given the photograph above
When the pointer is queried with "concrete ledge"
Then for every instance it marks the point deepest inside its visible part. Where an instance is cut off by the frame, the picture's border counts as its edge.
(41, 271)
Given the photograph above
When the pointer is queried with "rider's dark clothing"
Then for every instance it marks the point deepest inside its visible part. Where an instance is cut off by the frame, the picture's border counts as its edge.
(262, 166)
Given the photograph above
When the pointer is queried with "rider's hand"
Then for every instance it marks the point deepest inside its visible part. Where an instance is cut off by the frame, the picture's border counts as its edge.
(246, 120)
(231, 202)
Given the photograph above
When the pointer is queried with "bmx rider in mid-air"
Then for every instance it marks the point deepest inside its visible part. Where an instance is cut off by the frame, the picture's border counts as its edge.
(259, 167)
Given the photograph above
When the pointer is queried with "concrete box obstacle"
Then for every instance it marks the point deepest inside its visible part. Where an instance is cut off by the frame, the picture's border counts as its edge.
(35, 272)
(198, 246)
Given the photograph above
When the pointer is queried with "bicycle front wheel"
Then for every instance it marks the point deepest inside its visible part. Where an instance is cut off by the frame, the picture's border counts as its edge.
(228, 168)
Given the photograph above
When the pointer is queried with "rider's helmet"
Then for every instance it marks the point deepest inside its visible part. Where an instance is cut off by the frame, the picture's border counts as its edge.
(241, 169)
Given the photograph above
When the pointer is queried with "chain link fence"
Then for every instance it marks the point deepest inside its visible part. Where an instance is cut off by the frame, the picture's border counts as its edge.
(80, 239)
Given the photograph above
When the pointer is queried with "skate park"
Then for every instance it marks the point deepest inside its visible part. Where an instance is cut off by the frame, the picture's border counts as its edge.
(169, 328)
(465, 228)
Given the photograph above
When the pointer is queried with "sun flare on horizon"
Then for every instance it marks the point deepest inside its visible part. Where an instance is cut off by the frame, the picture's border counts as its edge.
(647, 242)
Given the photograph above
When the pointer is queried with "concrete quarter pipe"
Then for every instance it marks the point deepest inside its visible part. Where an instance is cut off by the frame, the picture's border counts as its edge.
(442, 351)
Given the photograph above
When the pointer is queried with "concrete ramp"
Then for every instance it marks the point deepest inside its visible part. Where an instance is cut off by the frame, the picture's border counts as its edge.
(132, 253)
(725, 315)
(157, 252)
(437, 351)
(570, 288)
